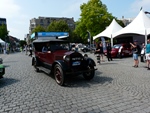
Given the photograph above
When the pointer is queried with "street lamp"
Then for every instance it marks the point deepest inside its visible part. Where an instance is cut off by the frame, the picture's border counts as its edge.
(146, 12)
(89, 38)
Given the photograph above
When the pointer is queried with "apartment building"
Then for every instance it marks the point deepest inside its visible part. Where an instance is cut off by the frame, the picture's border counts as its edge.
(126, 21)
(3, 21)
(45, 21)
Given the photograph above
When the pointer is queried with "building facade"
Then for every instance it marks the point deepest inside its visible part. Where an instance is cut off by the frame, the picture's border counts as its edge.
(45, 21)
(3, 21)
(126, 21)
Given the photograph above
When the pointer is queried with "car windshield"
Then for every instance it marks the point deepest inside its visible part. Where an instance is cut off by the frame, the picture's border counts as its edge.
(116, 46)
(59, 46)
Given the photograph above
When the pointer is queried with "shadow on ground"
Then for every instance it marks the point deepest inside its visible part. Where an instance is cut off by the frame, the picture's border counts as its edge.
(79, 81)
(7, 81)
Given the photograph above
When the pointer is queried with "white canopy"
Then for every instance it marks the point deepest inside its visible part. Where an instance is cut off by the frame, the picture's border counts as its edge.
(139, 25)
(108, 32)
(2, 42)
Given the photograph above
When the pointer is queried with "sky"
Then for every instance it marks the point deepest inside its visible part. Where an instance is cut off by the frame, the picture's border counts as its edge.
(19, 12)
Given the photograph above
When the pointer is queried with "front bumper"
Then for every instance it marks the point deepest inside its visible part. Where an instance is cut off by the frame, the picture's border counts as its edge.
(79, 72)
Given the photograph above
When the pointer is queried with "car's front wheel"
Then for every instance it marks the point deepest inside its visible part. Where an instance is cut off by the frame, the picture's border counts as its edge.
(59, 75)
(89, 75)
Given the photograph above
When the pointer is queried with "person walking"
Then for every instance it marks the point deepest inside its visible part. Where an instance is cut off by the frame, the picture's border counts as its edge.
(30, 49)
(98, 52)
(135, 47)
(120, 51)
(26, 49)
(148, 54)
(109, 57)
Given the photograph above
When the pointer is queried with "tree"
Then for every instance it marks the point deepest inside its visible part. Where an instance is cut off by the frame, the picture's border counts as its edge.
(58, 26)
(38, 29)
(3, 32)
(22, 43)
(94, 18)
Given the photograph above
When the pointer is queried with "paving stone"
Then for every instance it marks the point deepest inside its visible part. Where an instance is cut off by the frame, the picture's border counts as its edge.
(116, 87)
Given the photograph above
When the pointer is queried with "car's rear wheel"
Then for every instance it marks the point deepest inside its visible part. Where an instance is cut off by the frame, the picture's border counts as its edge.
(59, 75)
(89, 75)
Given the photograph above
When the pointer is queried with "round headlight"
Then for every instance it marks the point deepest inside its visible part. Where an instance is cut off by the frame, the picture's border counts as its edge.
(85, 56)
(66, 58)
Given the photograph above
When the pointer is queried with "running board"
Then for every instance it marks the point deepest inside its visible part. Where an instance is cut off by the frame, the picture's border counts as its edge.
(48, 71)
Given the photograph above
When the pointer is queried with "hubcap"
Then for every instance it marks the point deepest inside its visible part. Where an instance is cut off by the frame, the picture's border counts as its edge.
(58, 76)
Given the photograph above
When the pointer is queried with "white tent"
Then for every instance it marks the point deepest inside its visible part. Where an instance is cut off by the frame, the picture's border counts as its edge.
(2, 42)
(139, 25)
(109, 31)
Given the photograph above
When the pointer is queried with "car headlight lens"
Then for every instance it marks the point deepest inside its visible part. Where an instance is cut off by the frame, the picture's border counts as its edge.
(85, 56)
(66, 58)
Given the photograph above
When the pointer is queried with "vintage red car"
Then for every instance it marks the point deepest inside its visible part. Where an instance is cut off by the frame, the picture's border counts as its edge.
(60, 61)
(125, 52)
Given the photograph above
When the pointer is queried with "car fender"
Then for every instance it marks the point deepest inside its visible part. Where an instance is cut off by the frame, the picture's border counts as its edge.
(33, 59)
(91, 62)
(61, 63)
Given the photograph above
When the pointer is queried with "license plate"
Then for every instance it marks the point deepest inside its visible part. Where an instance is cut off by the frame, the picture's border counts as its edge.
(76, 63)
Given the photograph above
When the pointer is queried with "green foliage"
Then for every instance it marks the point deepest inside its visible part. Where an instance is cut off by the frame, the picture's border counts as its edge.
(58, 26)
(120, 23)
(3, 32)
(22, 43)
(38, 29)
(94, 18)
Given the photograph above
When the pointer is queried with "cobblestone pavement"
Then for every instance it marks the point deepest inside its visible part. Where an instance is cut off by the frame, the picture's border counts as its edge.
(116, 88)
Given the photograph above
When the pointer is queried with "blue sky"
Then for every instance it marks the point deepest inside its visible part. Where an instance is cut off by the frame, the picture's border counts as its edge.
(19, 12)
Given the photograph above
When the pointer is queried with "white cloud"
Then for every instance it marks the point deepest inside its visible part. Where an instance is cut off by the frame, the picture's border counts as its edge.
(74, 9)
(8, 8)
(17, 22)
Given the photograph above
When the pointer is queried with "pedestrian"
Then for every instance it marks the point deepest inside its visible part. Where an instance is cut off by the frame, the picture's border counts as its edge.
(30, 49)
(26, 49)
(142, 56)
(120, 51)
(97, 52)
(109, 57)
(148, 54)
(136, 49)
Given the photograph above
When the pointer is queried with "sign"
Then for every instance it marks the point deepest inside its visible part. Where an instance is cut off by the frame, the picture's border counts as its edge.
(52, 34)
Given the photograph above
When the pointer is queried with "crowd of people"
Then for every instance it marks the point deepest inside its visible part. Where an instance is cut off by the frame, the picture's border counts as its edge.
(143, 51)
(27, 48)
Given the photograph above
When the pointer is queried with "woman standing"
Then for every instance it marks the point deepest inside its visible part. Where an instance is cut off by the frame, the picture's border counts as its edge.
(135, 49)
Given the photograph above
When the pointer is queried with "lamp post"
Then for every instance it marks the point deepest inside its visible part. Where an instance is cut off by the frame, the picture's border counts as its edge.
(89, 38)
(146, 12)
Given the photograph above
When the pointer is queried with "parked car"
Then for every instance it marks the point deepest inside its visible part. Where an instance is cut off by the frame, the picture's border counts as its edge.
(126, 50)
(2, 68)
(85, 48)
(61, 61)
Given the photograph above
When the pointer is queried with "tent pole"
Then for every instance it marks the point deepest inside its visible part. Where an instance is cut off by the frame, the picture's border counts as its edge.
(111, 41)
(145, 37)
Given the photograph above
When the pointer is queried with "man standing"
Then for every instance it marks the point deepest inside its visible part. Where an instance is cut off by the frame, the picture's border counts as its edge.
(109, 52)
(148, 54)
(135, 49)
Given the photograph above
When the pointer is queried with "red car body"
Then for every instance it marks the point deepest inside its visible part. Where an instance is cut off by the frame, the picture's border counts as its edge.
(126, 50)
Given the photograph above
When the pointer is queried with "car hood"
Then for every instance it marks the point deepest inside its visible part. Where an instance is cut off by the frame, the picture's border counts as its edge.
(62, 52)
(59, 54)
